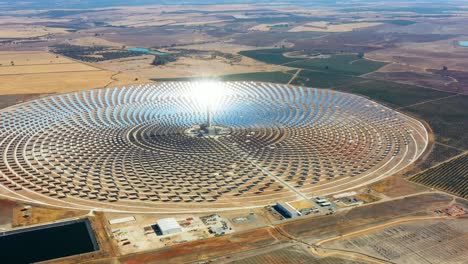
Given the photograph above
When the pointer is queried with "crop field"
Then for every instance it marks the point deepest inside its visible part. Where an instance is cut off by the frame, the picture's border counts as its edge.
(323, 79)
(23, 31)
(451, 176)
(270, 38)
(272, 56)
(43, 72)
(439, 153)
(447, 117)
(395, 94)
(343, 64)
(323, 26)
(47, 68)
(275, 77)
(441, 241)
(292, 254)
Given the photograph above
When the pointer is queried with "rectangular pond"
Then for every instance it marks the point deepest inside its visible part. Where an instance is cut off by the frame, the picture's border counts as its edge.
(46, 242)
(463, 43)
(147, 51)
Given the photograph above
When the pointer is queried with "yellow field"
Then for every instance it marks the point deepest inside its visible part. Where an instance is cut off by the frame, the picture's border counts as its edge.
(187, 67)
(94, 41)
(42, 72)
(223, 46)
(266, 27)
(328, 27)
(30, 58)
(203, 22)
(9, 20)
(45, 68)
(28, 31)
(58, 82)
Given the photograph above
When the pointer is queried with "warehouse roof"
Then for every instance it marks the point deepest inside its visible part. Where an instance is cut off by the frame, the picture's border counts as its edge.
(167, 223)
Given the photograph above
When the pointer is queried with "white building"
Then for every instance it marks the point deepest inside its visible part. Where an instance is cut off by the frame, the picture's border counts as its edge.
(168, 226)
(287, 210)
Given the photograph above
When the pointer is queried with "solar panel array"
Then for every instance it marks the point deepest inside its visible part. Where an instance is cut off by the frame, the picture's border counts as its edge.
(126, 148)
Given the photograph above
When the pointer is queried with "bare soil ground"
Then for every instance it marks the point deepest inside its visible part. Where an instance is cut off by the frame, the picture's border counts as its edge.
(422, 64)
(323, 26)
(46, 68)
(395, 186)
(154, 36)
(12, 99)
(93, 41)
(426, 241)
(24, 31)
(318, 228)
(41, 215)
(60, 82)
(6, 213)
(210, 248)
(310, 229)
(428, 55)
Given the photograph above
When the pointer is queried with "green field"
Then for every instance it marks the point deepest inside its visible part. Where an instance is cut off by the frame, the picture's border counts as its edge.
(448, 118)
(348, 64)
(342, 64)
(271, 56)
(274, 77)
(323, 79)
(398, 22)
(390, 93)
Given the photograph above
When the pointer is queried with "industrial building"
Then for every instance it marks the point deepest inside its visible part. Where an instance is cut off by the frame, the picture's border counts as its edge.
(287, 210)
(168, 226)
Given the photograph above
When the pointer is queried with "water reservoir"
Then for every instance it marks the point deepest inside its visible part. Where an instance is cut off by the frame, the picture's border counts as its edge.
(146, 50)
(463, 43)
(47, 242)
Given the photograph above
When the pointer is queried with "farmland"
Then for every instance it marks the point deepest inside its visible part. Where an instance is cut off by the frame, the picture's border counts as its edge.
(276, 77)
(447, 117)
(450, 176)
(342, 64)
(324, 79)
(293, 254)
(272, 56)
(348, 64)
(42, 72)
(413, 243)
(394, 94)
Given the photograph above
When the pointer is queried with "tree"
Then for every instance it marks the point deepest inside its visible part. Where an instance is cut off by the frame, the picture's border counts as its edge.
(445, 68)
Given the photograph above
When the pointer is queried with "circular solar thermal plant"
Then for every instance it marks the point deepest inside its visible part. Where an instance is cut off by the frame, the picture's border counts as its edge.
(144, 148)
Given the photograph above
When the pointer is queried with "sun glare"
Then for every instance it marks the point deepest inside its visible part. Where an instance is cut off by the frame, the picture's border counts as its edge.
(207, 93)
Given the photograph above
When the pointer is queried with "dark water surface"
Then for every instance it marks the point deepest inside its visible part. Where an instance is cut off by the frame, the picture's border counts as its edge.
(47, 242)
